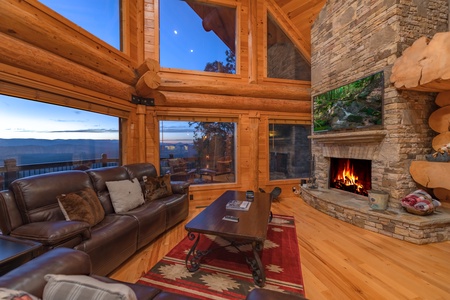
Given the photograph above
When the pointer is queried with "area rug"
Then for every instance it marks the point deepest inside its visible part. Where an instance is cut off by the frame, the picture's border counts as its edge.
(224, 273)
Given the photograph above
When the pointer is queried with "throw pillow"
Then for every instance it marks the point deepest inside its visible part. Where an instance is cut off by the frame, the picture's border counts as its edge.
(125, 194)
(15, 294)
(157, 187)
(84, 287)
(83, 205)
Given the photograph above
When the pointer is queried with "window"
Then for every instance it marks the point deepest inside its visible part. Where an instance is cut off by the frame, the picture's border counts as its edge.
(290, 151)
(197, 36)
(201, 152)
(38, 138)
(284, 61)
(99, 17)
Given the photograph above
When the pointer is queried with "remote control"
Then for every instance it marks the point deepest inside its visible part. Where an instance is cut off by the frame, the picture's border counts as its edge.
(230, 218)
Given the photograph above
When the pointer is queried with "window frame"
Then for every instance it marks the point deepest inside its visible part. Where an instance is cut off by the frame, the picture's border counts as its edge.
(264, 129)
(199, 117)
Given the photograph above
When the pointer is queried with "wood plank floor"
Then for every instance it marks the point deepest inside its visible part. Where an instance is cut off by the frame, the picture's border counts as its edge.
(339, 260)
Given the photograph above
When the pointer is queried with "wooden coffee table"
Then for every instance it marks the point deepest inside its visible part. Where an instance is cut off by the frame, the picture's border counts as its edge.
(251, 229)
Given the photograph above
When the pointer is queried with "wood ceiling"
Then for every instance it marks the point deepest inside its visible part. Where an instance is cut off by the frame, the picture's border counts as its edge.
(302, 13)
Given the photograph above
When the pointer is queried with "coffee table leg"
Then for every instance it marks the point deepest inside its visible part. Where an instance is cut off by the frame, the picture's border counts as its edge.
(258, 273)
(194, 256)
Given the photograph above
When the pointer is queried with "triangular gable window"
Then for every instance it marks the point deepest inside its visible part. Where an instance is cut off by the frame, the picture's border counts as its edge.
(284, 61)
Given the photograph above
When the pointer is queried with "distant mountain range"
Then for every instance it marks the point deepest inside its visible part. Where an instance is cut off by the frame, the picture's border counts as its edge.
(36, 151)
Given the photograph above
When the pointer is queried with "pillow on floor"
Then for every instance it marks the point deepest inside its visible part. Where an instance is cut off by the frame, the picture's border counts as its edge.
(125, 194)
(84, 287)
(83, 205)
(157, 187)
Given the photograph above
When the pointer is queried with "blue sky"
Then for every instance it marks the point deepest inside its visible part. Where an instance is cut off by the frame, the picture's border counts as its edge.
(186, 45)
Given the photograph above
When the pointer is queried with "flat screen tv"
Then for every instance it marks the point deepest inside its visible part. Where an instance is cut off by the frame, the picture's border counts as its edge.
(356, 105)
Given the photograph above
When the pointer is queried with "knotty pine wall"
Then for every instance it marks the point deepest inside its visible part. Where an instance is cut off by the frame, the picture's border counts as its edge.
(45, 57)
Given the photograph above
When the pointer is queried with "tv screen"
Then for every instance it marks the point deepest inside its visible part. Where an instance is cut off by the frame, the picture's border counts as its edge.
(356, 105)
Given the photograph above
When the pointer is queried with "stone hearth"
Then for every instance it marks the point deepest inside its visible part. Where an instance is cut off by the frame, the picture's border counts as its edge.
(396, 223)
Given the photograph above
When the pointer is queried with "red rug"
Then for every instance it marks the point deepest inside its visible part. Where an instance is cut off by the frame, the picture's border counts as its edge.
(224, 273)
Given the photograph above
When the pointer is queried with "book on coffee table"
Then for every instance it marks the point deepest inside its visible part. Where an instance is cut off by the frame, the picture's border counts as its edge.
(238, 205)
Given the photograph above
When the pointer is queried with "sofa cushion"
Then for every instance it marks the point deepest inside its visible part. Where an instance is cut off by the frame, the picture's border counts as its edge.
(157, 187)
(83, 205)
(15, 294)
(125, 194)
(84, 287)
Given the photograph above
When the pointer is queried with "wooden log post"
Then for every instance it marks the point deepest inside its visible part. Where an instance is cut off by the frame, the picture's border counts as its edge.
(148, 65)
(146, 85)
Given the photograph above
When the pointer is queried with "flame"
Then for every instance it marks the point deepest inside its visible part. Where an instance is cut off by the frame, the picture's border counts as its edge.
(348, 178)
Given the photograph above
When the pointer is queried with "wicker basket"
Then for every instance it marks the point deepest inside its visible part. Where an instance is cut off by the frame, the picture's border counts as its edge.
(414, 211)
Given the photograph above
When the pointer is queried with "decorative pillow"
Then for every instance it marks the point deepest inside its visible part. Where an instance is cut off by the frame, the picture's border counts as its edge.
(84, 287)
(83, 205)
(125, 194)
(420, 202)
(157, 187)
(15, 295)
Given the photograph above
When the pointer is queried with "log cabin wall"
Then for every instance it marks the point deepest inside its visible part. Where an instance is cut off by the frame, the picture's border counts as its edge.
(351, 40)
(45, 57)
(249, 96)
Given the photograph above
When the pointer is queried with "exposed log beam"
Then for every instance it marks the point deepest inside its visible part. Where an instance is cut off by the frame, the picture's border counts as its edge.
(425, 66)
(22, 55)
(221, 87)
(195, 100)
(33, 24)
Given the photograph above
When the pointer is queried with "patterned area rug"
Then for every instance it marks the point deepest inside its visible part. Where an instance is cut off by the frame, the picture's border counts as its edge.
(224, 273)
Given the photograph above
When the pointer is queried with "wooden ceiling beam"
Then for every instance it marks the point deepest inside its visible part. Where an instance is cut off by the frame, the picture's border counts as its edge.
(196, 100)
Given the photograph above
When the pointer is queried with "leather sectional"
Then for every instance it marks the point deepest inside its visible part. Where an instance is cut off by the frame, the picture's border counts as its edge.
(29, 210)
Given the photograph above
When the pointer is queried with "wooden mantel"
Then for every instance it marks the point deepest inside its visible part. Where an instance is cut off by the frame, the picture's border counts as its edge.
(367, 136)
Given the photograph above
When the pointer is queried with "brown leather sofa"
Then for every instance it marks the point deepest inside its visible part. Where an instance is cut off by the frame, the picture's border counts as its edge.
(30, 276)
(30, 210)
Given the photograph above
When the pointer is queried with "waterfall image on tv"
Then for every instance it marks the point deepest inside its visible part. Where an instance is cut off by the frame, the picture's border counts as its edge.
(356, 105)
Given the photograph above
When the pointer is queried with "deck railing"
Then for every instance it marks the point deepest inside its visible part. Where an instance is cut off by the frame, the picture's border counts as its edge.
(11, 171)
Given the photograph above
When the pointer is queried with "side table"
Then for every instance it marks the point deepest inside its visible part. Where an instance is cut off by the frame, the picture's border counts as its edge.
(15, 252)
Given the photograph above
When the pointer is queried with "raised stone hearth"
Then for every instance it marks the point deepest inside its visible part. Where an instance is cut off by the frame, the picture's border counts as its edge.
(396, 223)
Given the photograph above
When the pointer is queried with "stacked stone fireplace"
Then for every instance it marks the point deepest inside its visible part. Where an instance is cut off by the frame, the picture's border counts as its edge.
(351, 40)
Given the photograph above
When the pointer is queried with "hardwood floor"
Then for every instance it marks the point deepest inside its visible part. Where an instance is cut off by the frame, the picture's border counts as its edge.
(339, 260)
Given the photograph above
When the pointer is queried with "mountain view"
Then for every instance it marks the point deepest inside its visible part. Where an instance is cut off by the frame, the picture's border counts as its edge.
(37, 151)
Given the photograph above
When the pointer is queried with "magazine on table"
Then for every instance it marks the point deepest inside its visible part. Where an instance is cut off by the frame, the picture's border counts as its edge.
(238, 205)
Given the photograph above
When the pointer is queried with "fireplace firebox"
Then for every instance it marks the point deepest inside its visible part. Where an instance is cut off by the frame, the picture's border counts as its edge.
(351, 175)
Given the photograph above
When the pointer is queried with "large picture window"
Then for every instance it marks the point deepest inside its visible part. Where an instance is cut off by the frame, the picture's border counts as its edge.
(37, 138)
(99, 17)
(201, 152)
(197, 36)
(290, 151)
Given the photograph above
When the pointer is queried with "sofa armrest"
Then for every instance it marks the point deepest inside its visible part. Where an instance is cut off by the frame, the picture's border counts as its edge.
(180, 187)
(29, 277)
(52, 233)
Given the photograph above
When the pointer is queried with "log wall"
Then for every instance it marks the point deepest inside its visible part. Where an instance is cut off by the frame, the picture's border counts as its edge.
(44, 57)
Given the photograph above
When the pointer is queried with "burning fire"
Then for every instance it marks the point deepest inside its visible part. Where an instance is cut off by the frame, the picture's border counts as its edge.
(347, 180)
